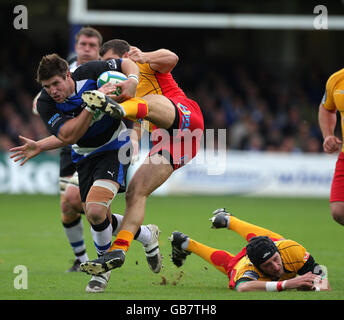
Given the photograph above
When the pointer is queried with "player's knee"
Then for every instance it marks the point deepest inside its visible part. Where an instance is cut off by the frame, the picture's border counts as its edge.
(66, 207)
(72, 196)
(99, 199)
(337, 212)
(95, 213)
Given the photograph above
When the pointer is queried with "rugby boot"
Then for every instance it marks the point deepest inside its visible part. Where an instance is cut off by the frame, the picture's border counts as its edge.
(97, 100)
(108, 261)
(220, 219)
(179, 255)
(152, 251)
(97, 284)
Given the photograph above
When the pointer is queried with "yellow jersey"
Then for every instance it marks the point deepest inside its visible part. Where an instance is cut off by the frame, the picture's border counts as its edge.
(334, 95)
(153, 82)
(293, 255)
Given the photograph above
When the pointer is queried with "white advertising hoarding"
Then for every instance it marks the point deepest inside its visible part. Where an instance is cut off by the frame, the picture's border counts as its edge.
(255, 173)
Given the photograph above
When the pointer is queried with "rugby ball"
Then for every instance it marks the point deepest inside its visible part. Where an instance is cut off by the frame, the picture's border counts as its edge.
(113, 77)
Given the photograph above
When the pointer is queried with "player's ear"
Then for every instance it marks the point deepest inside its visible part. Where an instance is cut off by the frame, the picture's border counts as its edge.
(126, 55)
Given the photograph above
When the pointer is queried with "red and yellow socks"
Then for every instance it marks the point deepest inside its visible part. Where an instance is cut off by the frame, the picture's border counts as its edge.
(123, 241)
(135, 108)
(218, 258)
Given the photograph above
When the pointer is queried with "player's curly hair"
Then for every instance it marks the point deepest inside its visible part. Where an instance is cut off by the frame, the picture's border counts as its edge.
(118, 46)
(51, 65)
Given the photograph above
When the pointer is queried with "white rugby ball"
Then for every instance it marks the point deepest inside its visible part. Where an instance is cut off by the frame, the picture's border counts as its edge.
(113, 77)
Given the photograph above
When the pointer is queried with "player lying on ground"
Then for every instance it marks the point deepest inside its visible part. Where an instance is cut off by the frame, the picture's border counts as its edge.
(268, 262)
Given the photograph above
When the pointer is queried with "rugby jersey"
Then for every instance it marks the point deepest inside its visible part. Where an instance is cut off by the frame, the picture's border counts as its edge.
(105, 133)
(295, 258)
(333, 98)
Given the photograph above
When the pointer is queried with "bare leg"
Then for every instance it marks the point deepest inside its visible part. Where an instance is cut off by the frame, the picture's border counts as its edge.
(161, 111)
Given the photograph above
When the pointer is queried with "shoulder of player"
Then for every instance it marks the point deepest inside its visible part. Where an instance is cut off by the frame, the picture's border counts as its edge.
(286, 244)
(44, 97)
(292, 252)
(145, 68)
(44, 101)
(334, 78)
(94, 68)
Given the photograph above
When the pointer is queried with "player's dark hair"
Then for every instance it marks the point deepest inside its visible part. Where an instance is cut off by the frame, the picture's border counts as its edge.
(89, 32)
(51, 65)
(118, 46)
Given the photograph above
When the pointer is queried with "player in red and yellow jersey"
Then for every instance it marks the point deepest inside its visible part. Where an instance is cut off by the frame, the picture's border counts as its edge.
(177, 127)
(332, 102)
(268, 262)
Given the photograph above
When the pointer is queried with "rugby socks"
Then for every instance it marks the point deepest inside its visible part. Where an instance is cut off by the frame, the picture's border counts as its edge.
(75, 235)
(122, 241)
(218, 258)
(142, 235)
(102, 236)
(248, 230)
(134, 109)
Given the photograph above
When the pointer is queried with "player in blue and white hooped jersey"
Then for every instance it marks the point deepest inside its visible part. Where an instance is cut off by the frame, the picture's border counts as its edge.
(87, 44)
(97, 139)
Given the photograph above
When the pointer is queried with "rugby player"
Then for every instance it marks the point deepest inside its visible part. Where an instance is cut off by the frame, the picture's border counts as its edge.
(269, 262)
(87, 45)
(96, 138)
(161, 101)
(333, 101)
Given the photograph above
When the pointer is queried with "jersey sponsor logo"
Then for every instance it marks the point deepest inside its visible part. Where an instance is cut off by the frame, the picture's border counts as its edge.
(251, 275)
(186, 113)
(339, 92)
(112, 64)
(52, 121)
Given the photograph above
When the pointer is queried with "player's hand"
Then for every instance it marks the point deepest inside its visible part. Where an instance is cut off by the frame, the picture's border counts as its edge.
(136, 55)
(305, 282)
(111, 90)
(331, 144)
(28, 150)
(128, 90)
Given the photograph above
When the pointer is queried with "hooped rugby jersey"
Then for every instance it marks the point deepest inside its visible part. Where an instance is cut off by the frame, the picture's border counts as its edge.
(104, 133)
(295, 258)
(334, 96)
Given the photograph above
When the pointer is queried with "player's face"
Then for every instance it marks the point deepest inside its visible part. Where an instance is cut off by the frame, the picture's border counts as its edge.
(273, 266)
(87, 49)
(110, 55)
(58, 88)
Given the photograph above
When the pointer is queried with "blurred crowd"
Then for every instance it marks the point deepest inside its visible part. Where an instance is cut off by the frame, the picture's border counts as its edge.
(260, 109)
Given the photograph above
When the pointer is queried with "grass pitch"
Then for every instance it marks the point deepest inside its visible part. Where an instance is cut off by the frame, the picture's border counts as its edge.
(31, 235)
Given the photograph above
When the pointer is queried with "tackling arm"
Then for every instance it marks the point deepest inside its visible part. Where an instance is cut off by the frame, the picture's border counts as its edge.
(161, 60)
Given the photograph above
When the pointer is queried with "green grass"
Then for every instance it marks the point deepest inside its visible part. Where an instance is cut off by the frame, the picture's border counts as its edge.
(31, 234)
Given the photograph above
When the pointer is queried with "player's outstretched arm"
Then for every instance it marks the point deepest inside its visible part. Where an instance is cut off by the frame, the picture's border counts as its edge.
(161, 60)
(30, 148)
(307, 282)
